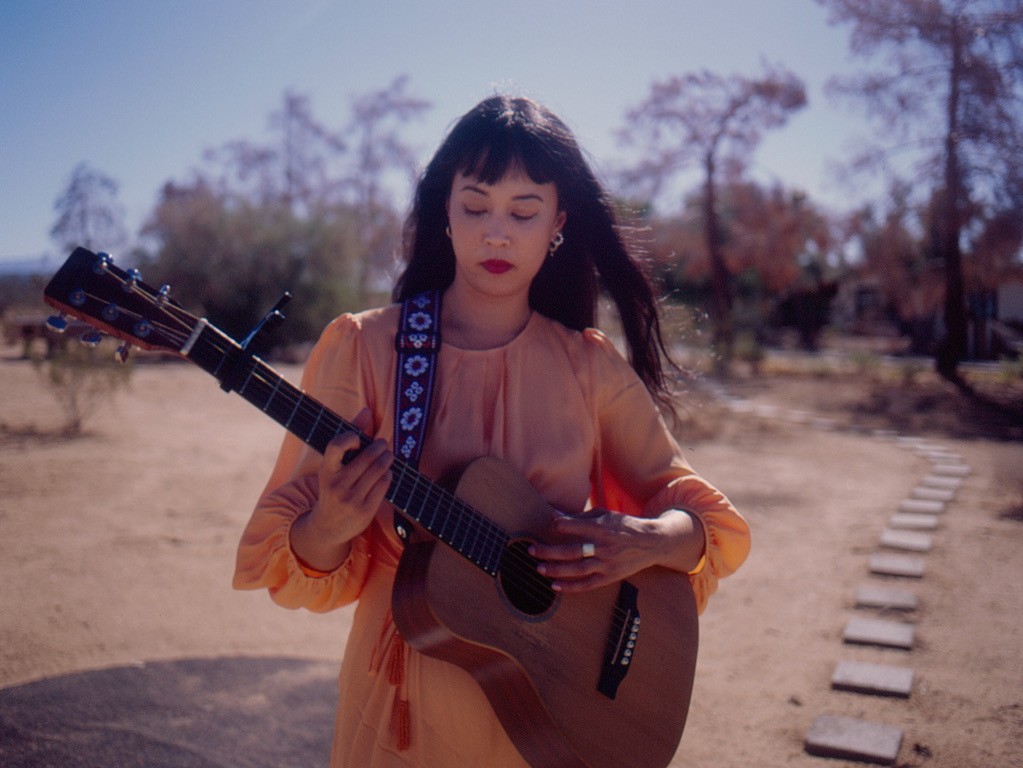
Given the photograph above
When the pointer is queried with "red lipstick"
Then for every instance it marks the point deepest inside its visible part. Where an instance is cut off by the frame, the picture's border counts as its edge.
(496, 266)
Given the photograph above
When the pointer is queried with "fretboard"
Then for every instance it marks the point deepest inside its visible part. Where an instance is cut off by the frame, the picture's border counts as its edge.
(420, 499)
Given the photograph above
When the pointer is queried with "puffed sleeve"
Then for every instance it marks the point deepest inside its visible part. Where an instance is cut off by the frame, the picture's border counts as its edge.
(641, 469)
(333, 376)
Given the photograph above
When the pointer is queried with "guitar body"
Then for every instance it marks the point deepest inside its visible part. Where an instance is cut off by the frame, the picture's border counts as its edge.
(600, 679)
(539, 662)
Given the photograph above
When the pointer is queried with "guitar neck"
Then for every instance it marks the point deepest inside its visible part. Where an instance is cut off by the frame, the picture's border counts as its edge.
(420, 499)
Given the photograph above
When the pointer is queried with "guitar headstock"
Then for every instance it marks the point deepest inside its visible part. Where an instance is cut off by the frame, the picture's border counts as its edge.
(91, 288)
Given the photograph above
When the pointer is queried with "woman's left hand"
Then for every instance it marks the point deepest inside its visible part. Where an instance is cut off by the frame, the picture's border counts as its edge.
(603, 547)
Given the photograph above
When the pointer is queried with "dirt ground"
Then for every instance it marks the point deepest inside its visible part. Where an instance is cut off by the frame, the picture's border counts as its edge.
(117, 547)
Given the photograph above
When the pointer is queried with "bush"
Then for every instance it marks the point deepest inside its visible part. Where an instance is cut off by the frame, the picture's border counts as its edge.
(81, 379)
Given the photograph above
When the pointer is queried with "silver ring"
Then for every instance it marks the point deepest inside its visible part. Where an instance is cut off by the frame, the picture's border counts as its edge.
(589, 549)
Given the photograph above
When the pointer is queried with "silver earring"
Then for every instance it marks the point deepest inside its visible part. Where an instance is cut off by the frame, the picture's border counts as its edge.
(447, 231)
(555, 244)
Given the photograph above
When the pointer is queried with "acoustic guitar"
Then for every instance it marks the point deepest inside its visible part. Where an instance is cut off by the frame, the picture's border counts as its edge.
(601, 679)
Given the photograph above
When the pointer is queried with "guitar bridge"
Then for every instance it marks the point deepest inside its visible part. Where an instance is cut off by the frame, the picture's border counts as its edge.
(621, 640)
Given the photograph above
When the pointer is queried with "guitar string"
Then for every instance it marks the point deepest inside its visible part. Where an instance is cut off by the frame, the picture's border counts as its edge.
(472, 523)
(494, 537)
(304, 407)
(539, 584)
(471, 531)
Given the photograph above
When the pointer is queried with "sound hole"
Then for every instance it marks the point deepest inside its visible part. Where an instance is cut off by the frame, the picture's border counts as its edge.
(524, 588)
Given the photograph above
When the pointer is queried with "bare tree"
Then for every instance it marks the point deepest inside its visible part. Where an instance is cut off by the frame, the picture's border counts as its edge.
(715, 122)
(379, 151)
(949, 90)
(307, 150)
(295, 171)
(89, 213)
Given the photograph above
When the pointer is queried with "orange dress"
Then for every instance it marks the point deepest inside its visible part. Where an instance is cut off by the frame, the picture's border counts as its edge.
(567, 412)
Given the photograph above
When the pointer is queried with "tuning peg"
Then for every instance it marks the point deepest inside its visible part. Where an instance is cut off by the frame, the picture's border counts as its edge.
(57, 323)
(122, 352)
(163, 295)
(102, 263)
(133, 276)
(92, 339)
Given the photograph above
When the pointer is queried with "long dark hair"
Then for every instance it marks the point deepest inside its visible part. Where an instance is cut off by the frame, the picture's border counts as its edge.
(501, 132)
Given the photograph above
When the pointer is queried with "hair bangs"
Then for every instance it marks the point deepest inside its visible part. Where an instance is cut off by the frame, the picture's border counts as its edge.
(499, 152)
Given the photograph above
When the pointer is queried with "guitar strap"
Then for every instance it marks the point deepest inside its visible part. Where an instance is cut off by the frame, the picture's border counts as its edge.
(418, 344)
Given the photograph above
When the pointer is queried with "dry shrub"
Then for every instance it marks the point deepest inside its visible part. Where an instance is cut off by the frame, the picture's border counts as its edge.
(81, 379)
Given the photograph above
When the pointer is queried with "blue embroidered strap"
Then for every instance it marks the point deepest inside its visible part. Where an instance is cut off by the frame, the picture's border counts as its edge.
(417, 343)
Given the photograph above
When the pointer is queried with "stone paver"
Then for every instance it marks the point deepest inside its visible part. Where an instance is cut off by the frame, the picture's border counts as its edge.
(939, 481)
(886, 598)
(913, 522)
(909, 441)
(928, 493)
(889, 634)
(944, 457)
(886, 564)
(853, 739)
(951, 470)
(922, 506)
(911, 541)
(876, 679)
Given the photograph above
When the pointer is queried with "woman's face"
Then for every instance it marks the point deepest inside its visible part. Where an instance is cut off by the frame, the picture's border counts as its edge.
(501, 232)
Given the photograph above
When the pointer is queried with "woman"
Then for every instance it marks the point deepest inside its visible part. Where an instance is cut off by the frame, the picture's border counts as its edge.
(511, 226)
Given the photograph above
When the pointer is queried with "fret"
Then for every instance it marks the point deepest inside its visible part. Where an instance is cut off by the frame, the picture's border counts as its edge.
(459, 534)
(426, 505)
(448, 522)
(489, 557)
(316, 423)
(294, 410)
(400, 493)
(474, 529)
(273, 394)
(245, 384)
(420, 501)
(325, 432)
(339, 429)
(255, 390)
(498, 542)
(431, 524)
(473, 546)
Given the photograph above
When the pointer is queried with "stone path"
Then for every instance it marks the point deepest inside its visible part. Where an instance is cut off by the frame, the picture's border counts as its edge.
(899, 560)
(912, 529)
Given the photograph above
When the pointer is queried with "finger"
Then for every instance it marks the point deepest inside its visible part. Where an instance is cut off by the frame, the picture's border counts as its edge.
(362, 467)
(576, 576)
(585, 527)
(583, 584)
(336, 450)
(375, 475)
(363, 421)
(567, 552)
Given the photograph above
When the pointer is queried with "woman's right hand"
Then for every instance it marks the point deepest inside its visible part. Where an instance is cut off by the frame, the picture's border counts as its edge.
(350, 495)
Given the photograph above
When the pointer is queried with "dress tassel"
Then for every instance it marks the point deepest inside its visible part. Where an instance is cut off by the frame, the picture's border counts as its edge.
(396, 662)
(401, 722)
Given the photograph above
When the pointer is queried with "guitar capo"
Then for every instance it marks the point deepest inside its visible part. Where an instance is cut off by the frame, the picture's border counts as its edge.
(232, 368)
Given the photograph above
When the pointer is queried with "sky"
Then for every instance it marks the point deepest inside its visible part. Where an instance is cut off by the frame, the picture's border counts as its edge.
(139, 90)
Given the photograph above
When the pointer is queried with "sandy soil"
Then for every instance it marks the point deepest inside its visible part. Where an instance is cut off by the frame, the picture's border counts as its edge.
(118, 547)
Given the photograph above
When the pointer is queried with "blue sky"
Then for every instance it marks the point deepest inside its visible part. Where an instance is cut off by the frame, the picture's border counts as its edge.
(138, 89)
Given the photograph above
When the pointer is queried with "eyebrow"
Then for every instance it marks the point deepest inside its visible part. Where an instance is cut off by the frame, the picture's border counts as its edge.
(480, 191)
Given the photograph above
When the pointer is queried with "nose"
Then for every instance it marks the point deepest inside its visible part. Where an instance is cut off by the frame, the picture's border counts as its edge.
(496, 236)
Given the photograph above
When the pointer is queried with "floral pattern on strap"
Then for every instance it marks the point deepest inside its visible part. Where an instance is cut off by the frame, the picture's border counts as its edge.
(417, 344)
